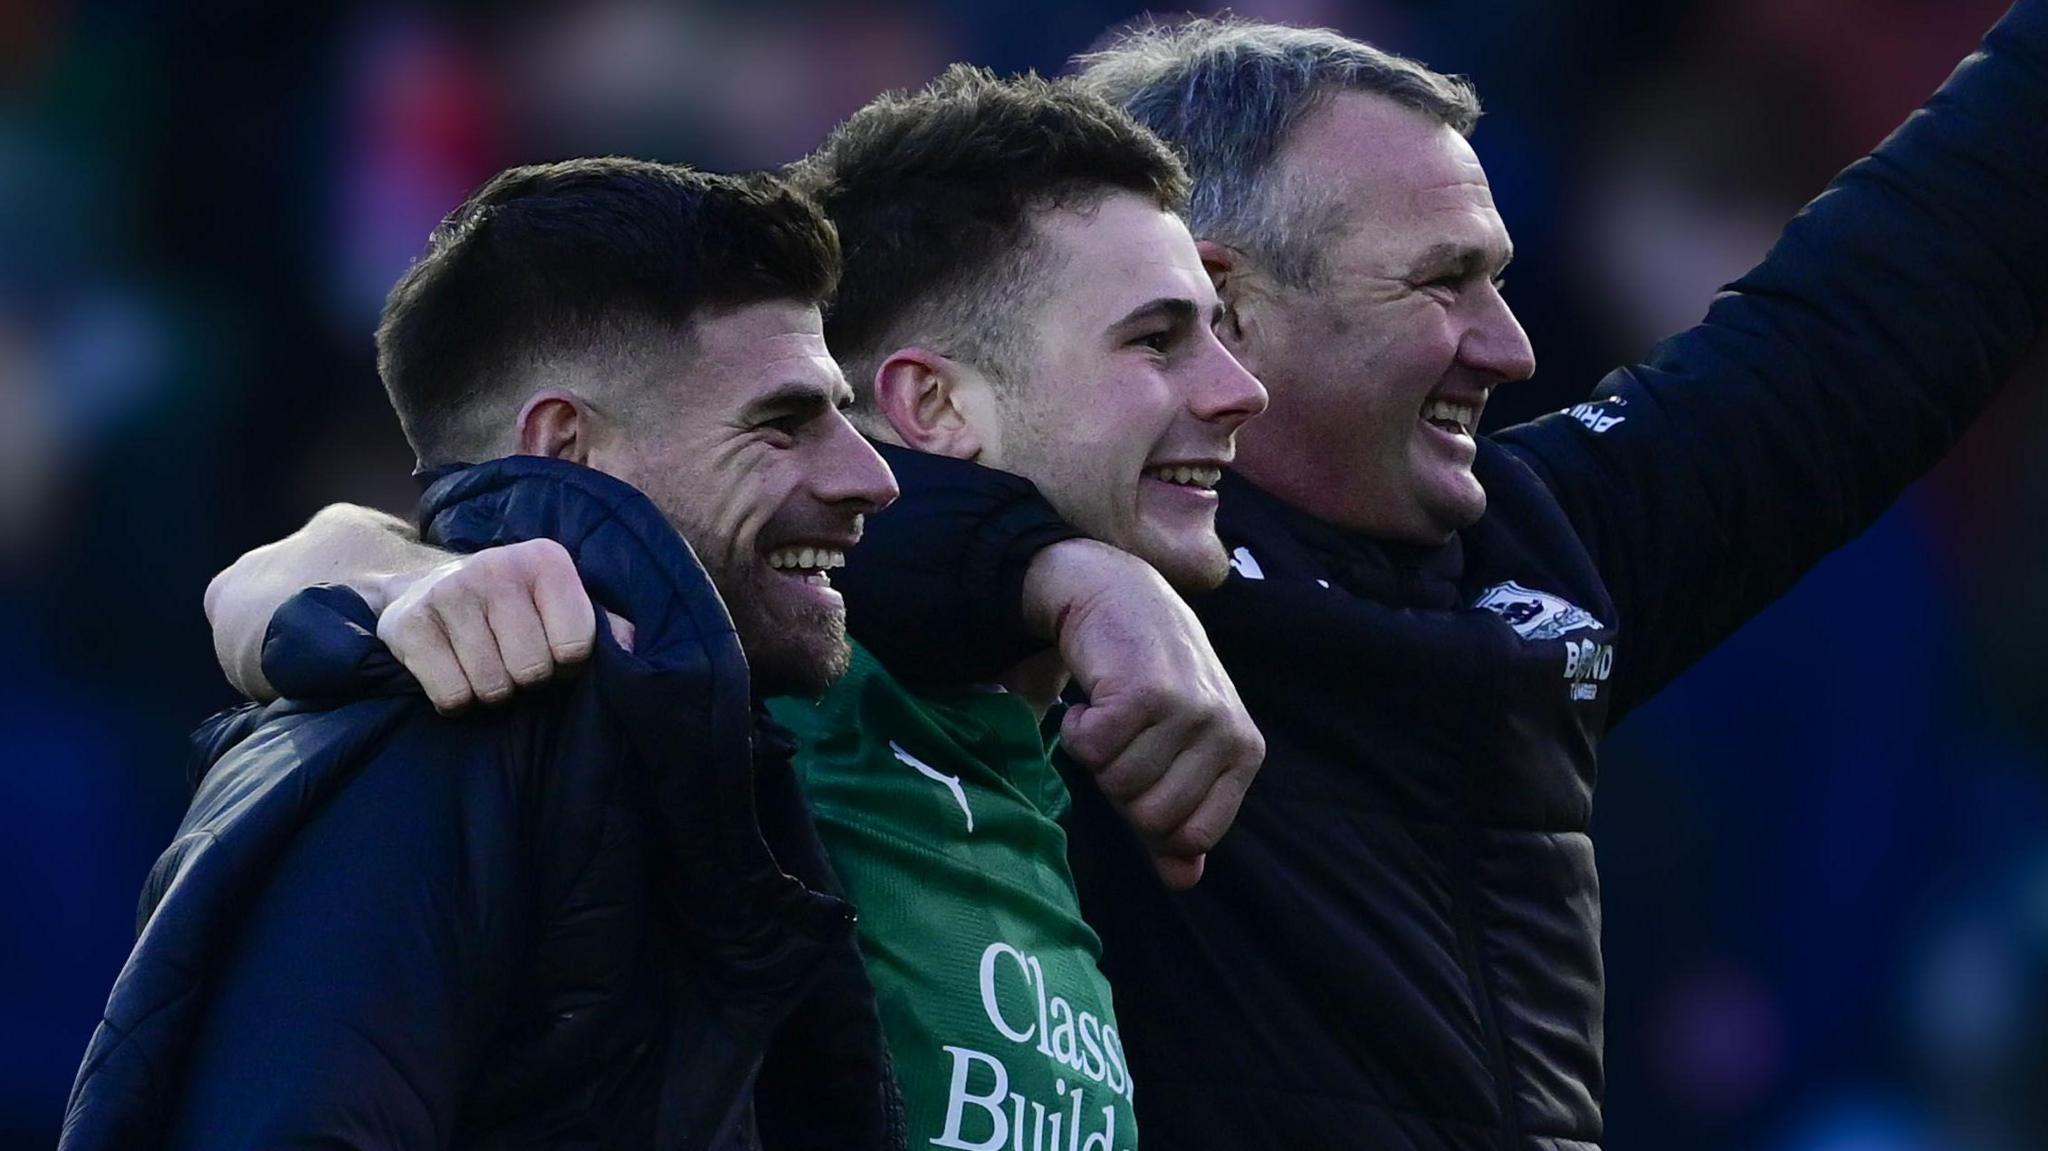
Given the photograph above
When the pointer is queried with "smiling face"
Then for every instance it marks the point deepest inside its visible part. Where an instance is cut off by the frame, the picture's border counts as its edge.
(1380, 371)
(1125, 413)
(749, 455)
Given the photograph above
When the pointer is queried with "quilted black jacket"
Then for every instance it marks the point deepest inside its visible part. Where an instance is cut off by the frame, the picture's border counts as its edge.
(596, 918)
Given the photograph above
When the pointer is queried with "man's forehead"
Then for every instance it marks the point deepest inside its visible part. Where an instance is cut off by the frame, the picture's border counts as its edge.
(777, 330)
(1459, 195)
(1407, 187)
(1373, 154)
(749, 327)
(795, 347)
(781, 339)
(1127, 247)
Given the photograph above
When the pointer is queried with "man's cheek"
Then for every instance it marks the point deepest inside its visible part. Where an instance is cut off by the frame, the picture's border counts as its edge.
(744, 504)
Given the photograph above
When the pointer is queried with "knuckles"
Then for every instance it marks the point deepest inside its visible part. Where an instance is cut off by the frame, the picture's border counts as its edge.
(403, 627)
(533, 674)
(1152, 818)
(504, 573)
(1194, 838)
(1250, 743)
(498, 573)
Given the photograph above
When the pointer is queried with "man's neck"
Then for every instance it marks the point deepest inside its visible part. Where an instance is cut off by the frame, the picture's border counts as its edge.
(1038, 681)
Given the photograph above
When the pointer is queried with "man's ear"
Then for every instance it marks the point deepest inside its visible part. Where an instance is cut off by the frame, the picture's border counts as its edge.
(1231, 272)
(557, 424)
(933, 403)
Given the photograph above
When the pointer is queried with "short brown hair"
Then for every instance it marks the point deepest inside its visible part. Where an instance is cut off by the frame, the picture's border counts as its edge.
(575, 260)
(933, 193)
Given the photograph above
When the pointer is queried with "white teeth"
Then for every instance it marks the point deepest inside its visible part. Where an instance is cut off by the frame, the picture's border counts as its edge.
(1449, 411)
(1197, 477)
(806, 559)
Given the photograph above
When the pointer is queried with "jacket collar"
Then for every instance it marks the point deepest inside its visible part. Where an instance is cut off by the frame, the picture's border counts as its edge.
(1401, 575)
(684, 697)
(628, 554)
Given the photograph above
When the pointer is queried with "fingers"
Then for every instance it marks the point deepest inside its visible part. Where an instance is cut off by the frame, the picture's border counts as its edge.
(419, 644)
(1099, 733)
(1164, 733)
(1150, 759)
(566, 616)
(525, 649)
(1182, 786)
(1200, 830)
(462, 618)
(482, 626)
(1180, 779)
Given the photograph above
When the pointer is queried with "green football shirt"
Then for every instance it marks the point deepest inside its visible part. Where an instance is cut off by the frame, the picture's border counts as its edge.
(940, 810)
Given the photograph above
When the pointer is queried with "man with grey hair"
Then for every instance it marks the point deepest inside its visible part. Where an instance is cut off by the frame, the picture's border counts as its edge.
(1398, 943)
(1354, 236)
(1226, 93)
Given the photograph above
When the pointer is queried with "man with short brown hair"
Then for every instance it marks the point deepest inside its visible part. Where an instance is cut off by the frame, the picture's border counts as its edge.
(582, 918)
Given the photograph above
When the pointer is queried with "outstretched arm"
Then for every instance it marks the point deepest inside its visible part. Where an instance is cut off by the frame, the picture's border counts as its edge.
(467, 627)
(1709, 478)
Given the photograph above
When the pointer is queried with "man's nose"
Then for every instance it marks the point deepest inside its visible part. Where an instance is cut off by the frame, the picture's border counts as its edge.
(1495, 343)
(1227, 394)
(854, 473)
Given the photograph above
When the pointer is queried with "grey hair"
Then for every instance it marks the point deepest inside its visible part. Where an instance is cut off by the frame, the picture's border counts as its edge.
(1224, 92)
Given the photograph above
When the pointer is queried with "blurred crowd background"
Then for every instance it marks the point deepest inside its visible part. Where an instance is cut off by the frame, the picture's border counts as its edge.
(1826, 878)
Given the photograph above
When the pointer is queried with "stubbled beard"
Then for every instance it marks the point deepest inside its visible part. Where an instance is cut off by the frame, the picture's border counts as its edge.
(802, 656)
(800, 652)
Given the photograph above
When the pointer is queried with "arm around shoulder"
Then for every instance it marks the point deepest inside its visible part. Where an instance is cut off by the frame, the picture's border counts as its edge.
(369, 551)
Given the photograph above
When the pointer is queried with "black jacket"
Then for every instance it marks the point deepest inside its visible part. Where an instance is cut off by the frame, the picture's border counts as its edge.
(1397, 946)
(578, 921)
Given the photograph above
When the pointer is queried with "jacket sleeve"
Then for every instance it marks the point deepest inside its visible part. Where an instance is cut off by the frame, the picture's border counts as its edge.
(371, 968)
(1709, 478)
(322, 645)
(935, 588)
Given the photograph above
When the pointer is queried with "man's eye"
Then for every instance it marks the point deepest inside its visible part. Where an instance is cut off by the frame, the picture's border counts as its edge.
(1160, 342)
(786, 425)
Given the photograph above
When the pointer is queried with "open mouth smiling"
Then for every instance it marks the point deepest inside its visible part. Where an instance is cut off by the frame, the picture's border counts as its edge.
(1452, 416)
(1199, 476)
(810, 563)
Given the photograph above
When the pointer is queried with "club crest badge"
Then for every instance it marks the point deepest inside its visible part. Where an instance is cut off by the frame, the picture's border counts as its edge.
(1536, 615)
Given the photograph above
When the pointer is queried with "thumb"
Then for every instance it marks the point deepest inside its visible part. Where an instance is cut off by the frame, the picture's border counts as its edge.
(1097, 732)
(1083, 738)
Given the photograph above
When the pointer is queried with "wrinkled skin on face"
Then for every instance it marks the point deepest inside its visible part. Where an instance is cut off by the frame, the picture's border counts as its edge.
(1379, 372)
(1127, 409)
(749, 455)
